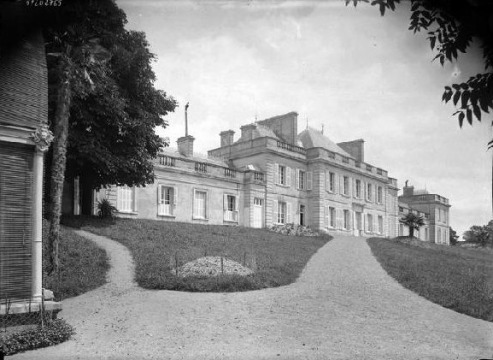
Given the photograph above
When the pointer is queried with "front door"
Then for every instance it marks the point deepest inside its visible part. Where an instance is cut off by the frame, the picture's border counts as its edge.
(258, 213)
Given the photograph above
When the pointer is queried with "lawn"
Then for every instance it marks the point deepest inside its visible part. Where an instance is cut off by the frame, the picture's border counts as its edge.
(456, 278)
(83, 265)
(158, 247)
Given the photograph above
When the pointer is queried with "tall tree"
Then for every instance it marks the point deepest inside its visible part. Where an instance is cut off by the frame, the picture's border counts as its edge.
(103, 104)
(413, 222)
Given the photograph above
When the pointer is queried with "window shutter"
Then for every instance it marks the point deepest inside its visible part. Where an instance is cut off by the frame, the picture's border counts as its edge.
(288, 213)
(275, 209)
(309, 180)
(236, 203)
(288, 176)
(341, 184)
(297, 178)
(276, 173)
(327, 181)
(326, 217)
(225, 202)
(160, 194)
(349, 186)
(175, 196)
(134, 199)
(206, 204)
(16, 191)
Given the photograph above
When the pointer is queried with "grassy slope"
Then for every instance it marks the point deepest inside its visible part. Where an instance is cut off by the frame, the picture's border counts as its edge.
(83, 265)
(456, 278)
(156, 246)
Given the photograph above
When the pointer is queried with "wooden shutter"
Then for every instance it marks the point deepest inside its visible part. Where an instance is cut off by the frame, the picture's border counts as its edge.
(288, 213)
(309, 180)
(225, 202)
(276, 173)
(297, 178)
(175, 196)
(16, 201)
(288, 176)
(326, 216)
(274, 211)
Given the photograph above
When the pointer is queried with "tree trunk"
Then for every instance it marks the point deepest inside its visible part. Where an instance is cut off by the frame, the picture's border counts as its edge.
(411, 232)
(60, 132)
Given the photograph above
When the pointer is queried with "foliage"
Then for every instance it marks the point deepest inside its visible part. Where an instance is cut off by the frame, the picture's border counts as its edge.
(114, 106)
(453, 237)
(413, 222)
(451, 27)
(83, 265)
(158, 247)
(106, 209)
(451, 276)
(481, 235)
(54, 332)
(293, 230)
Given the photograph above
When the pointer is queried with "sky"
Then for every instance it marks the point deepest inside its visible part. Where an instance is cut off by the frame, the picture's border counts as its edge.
(357, 73)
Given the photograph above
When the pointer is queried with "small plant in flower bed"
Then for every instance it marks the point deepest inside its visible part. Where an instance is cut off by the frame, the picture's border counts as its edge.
(292, 230)
(456, 278)
(161, 247)
(52, 333)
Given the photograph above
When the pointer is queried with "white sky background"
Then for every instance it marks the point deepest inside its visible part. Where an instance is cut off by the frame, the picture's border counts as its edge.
(359, 74)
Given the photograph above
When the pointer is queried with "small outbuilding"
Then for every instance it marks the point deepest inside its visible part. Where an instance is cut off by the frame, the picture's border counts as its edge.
(24, 139)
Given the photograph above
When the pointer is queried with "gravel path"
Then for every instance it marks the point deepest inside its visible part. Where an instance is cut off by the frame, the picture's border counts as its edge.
(344, 306)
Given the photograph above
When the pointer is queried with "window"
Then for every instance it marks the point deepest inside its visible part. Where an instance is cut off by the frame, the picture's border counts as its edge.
(125, 199)
(380, 224)
(379, 195)
(166, 200)
(230, 208)
(300, 180)
(281, 212)
(345, 186)
(439, 237)
(346, 219)
(401, 209)
(332, 217)
(282, 179)
(368, 192)
(369, 222)
(199, 204)
(331, 183)
(302, 214)
(358, 189)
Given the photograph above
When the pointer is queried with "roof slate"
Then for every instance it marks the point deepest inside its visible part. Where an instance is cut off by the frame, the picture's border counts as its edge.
(311, 138)
(24, 84)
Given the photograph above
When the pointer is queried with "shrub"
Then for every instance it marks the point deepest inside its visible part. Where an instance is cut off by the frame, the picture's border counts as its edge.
(54, 332)
(105, 209)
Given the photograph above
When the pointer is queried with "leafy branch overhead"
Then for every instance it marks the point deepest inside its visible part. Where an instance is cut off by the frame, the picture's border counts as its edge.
(451, 27)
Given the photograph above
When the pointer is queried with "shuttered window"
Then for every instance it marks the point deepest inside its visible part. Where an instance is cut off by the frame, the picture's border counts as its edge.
(16, 193)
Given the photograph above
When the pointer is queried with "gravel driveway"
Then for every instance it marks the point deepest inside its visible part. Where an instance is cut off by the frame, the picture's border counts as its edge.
(344, 306)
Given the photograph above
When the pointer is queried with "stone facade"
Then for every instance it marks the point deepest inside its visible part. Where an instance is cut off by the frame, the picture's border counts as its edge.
(433, 208)
(269, 175)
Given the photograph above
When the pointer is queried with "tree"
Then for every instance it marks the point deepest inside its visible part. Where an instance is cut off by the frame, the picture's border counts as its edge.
(480, 235)
(103, 104)
(453, 237)
(413, 222)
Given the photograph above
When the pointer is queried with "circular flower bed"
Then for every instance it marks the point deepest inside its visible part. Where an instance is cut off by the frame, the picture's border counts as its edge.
(209, 266)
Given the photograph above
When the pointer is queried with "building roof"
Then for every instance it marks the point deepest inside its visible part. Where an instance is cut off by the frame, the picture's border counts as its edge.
(24, 84)
(173, 152)
(311, 138)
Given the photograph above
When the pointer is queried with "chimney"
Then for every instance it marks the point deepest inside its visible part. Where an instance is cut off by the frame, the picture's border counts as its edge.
(227, 137)
(185, 145)
(247, 132)
(355, 148)
(408, 190)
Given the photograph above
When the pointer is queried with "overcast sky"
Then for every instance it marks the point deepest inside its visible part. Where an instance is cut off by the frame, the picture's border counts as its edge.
(359, 74)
